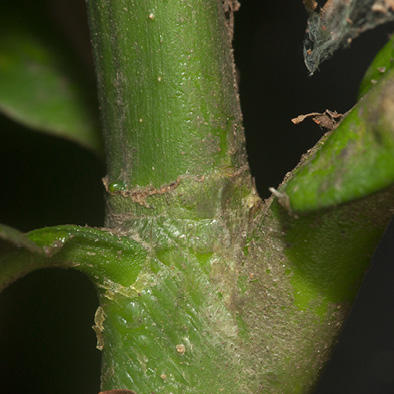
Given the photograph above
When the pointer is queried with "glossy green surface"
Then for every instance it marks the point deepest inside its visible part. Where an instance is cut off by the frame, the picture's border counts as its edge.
(102, 255)
(176, 334)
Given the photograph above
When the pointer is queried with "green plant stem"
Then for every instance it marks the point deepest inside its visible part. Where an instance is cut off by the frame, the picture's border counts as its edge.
(177, 175)
(168, 95)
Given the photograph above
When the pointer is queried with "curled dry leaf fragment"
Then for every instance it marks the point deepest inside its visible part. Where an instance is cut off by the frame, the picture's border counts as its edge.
(327, 120)
(337, 23)
(301, 118)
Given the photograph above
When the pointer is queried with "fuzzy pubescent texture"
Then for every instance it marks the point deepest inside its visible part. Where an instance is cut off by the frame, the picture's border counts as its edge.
(216, 306)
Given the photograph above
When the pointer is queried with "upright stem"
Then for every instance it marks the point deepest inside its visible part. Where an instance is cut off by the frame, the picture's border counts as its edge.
(177, 175)
(168, 96)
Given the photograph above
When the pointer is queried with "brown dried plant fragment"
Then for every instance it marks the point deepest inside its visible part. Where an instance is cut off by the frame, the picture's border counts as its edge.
(337, 23)
(383, 6)
(327, 120)
(229, 7)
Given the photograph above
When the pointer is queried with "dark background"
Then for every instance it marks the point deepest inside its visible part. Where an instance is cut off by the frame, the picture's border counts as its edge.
(46, 341)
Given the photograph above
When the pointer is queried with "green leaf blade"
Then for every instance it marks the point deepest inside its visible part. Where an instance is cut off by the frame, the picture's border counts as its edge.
(42, 87)
(379, 68)
(354, 161)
